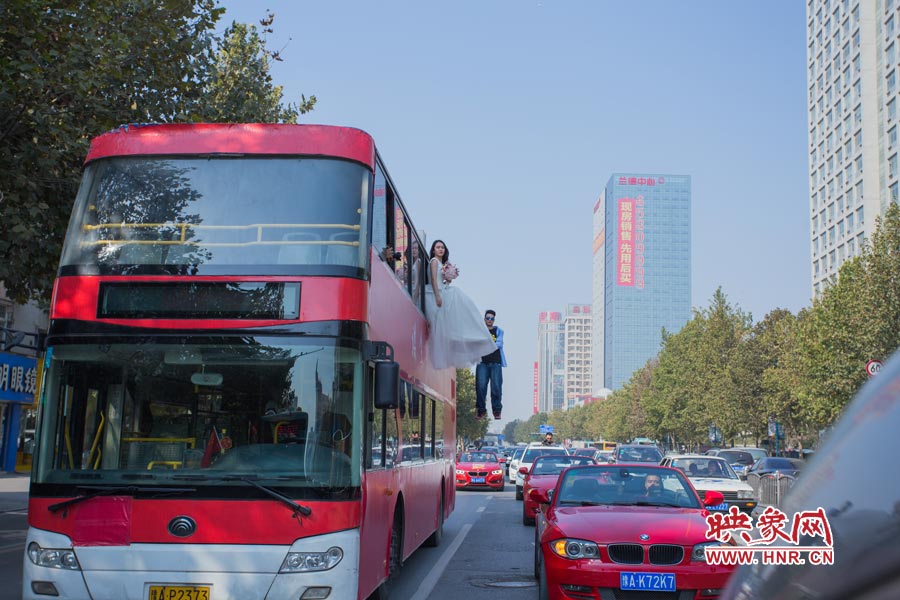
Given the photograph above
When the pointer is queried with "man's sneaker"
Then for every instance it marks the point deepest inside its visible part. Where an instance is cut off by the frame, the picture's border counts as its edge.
(480, 415)
(497, 416)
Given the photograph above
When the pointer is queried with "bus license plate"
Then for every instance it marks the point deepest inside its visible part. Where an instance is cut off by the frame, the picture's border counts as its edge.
(478, 480)
(179, 592)
(647, 582)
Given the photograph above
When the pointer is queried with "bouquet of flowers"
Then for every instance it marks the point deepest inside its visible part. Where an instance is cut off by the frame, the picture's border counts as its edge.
(449, 272)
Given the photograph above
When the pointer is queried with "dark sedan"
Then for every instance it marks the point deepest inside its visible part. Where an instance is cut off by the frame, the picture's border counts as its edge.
(772, 464)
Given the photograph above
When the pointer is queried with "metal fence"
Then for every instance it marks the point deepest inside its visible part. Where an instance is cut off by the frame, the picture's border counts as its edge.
(771, 489)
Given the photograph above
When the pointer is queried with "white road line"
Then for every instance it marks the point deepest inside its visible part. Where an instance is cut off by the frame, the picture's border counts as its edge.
(480, 509)
(438, 569)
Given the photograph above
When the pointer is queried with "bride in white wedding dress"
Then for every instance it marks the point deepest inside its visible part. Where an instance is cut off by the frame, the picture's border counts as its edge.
(457, 335)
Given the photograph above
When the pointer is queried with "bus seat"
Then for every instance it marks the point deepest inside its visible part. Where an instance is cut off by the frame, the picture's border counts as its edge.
(140, 254)
(295, 252)
(342, 254)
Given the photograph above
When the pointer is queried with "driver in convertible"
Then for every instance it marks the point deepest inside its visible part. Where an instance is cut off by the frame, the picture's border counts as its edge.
(654, 491)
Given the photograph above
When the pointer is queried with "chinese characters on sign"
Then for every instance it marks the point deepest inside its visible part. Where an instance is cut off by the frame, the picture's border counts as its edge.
(18, 378)
(792, 540)
(630, 263)
(650, 181)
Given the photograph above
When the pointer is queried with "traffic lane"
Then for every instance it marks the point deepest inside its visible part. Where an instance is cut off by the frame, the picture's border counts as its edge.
(13, 529)
(421, 570)
(495, 560)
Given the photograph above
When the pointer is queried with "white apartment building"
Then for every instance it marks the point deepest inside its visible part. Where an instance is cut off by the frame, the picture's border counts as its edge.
(578, 354)
(852, 65)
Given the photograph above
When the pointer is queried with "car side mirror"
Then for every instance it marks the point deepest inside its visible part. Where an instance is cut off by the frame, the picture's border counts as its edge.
(523, 470)
(541, 496)
(713, 498)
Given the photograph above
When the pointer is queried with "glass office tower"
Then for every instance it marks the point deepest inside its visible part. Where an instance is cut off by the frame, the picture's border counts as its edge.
(643, 259)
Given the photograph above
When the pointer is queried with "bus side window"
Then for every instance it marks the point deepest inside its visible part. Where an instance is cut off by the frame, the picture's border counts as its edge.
(401, 247)
(380, 237)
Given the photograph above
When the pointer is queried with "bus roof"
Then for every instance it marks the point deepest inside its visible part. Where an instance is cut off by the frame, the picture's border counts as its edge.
(235, 138)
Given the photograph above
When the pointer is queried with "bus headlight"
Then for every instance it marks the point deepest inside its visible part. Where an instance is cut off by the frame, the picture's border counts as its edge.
(305, 562)
(53, 558)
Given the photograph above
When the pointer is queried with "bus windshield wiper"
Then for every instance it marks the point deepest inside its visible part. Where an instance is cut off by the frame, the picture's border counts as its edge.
(92, 491)
(250, 480)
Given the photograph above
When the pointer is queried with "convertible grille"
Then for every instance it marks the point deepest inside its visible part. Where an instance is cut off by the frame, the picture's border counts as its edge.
(478, 473)
(626, 554)
(666, 554)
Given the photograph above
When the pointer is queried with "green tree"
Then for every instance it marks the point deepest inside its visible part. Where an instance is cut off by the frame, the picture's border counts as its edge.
(467, 426)
(240, 87)
(72, 70)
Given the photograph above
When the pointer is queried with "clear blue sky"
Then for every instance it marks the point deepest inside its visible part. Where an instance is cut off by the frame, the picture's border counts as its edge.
(500, 121)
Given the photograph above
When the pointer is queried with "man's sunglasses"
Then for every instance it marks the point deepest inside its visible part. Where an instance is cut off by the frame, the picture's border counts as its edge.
(489, 318)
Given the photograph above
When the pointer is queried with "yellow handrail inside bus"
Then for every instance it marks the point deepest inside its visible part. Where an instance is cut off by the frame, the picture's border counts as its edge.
(189, 441)
(277, 425)
(192, 227)
(96, 442)
(171, 463)
(69, 444)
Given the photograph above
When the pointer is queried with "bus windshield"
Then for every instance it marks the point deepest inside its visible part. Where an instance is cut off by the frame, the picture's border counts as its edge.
(201, 410)
(211, 215)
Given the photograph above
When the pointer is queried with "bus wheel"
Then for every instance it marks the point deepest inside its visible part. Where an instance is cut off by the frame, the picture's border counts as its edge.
(383, 591)
(438, 534)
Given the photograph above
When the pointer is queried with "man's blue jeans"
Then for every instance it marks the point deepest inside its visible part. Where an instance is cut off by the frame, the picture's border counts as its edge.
(488, 373)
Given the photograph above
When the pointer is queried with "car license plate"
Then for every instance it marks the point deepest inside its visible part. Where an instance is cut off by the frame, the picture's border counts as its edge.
(478, 480)
(658, 582)
(723, 506)
(179, 592)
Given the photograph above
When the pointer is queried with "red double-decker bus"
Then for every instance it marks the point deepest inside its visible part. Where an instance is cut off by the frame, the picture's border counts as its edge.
(237, 401)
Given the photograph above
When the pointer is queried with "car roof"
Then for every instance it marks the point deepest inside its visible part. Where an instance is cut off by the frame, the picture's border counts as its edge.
(703, 456)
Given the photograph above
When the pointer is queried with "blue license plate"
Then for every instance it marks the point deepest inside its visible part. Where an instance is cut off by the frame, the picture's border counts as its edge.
(647, 582)
(478, 480)
(723, 506)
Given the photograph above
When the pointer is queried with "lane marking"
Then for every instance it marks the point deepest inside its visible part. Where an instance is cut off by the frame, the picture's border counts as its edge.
(437, 570)
(480, 509)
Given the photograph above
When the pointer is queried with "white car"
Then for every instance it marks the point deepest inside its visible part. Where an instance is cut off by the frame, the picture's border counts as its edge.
(713, 473)
(512, 465)
(532, 452)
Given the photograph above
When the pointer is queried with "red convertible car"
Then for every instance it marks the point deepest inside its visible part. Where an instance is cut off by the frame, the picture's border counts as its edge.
(542, 476)
(479, 470)
(623, 531)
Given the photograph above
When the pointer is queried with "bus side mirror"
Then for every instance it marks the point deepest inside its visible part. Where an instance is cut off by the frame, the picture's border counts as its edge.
(387, 384)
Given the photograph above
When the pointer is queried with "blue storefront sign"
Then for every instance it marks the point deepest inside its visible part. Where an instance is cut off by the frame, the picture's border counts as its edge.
(18, 378)
(18, 382)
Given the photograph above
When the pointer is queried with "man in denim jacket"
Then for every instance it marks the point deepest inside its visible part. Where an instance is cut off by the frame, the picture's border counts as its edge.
(490, 370)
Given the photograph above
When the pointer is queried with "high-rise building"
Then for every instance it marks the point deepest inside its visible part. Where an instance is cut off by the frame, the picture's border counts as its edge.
(578, 354)
(642, 271)
(551, 365)
(852, 71)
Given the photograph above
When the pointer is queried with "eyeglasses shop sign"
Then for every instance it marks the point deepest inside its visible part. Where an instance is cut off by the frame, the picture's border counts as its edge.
(18, 378)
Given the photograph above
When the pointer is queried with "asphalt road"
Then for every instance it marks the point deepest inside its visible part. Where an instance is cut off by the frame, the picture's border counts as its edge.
(486, 552)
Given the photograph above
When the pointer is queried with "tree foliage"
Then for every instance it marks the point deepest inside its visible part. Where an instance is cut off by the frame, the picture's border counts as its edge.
(468, 428)
(72, 70)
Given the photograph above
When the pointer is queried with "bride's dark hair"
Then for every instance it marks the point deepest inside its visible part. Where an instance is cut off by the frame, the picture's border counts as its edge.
(446, 251)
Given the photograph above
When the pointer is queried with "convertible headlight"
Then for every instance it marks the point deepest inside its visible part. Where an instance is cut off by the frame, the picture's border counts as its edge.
(496, 472)
(745, 494)
(53, 558)
(575, 549)
(460, 472)
(305, 562)
(698, 554)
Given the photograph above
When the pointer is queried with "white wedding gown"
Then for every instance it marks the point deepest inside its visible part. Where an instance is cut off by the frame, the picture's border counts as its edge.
(457, 335)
